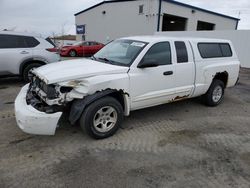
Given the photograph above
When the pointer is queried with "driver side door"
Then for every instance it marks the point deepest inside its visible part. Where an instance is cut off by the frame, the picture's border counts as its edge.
(155, 84)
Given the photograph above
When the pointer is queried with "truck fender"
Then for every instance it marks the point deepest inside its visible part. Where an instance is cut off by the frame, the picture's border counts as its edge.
(79, 105)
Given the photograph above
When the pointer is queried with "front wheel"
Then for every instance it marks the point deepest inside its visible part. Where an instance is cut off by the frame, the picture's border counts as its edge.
(215, 93)
(102, 118)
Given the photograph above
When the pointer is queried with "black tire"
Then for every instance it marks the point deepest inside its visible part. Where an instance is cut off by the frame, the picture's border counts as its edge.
(72, 53)
(208, 97)
(27, 69)
(87, 118)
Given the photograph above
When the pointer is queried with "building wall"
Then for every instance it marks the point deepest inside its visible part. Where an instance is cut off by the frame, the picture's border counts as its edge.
(222, 23)
(239, 38)
(121, 19)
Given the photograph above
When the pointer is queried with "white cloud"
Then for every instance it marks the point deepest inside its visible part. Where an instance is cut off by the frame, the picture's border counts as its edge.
(42, 17)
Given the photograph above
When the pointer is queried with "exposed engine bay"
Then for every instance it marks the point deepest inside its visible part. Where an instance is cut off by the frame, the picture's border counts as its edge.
(46, 98)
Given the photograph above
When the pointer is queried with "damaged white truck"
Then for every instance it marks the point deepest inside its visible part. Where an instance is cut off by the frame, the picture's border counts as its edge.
(127, 74)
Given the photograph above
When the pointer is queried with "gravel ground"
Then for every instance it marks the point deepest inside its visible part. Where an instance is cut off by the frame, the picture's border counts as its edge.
(183, 144)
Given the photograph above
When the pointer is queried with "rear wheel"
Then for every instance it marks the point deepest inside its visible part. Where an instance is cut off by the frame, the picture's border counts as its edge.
(72, 53)
(102, 118)
(215, 93)
(26, 72)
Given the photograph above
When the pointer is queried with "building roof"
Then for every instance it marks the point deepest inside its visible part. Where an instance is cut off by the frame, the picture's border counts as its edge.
(159, 38)
(169, 1)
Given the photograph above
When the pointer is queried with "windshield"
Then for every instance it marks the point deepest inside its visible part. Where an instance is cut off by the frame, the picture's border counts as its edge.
(120, 52)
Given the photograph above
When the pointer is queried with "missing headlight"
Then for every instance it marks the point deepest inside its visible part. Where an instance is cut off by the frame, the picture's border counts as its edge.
(64, 89)
(50, 91)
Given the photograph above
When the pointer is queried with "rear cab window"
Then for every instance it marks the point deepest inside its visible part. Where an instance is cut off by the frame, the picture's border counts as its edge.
(181, 52)
(215, 50)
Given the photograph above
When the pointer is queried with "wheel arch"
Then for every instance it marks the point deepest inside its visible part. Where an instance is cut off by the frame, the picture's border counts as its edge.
(79, 105)
(223, 76)
(27, 62)
(123, 99)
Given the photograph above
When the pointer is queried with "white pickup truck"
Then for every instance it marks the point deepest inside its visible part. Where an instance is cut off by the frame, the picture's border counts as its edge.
(127, 74)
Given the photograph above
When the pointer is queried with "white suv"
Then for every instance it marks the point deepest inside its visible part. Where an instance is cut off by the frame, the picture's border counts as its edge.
(19, 53)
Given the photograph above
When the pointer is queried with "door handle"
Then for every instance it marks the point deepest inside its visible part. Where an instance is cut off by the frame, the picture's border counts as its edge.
(24, 52)
(168, 73)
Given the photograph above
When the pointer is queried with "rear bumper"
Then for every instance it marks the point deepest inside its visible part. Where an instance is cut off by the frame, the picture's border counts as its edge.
(58, 57)
(32, 121)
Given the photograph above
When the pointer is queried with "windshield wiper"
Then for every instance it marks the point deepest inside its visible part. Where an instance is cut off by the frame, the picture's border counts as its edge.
(105, 59)
(93, 57)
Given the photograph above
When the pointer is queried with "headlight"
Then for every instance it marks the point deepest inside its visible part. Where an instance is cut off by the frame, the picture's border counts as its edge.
(73, 83)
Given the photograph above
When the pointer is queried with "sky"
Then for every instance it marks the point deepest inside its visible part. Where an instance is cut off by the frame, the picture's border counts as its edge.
(47, 17)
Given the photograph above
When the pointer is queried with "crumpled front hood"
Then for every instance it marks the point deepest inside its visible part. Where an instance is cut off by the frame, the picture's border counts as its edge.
(75, 69)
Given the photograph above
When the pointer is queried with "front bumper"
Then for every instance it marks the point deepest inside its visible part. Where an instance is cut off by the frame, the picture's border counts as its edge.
(31, 120)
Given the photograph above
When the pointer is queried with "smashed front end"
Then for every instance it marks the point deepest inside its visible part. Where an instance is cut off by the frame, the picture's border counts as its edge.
(39, 106)
(46, 98)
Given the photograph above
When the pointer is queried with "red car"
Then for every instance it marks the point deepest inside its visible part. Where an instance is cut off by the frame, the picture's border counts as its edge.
(86, 48)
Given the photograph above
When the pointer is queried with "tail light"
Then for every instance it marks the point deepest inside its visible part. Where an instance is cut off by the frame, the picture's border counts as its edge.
(54, 50)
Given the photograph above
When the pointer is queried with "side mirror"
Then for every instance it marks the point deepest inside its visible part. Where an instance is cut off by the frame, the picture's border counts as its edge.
(145, 63)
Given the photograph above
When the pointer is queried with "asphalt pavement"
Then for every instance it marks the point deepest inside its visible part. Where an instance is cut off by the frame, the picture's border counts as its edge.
(182, 144)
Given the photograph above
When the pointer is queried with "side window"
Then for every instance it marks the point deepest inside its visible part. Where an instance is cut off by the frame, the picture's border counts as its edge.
(226, 50)
(141, 9)
(213, 50)
(31, 42)
(160, 53)
(85, 43)
(4, 41)
(20, 41)
(93, 43)
(12, 41)
(181, 52)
